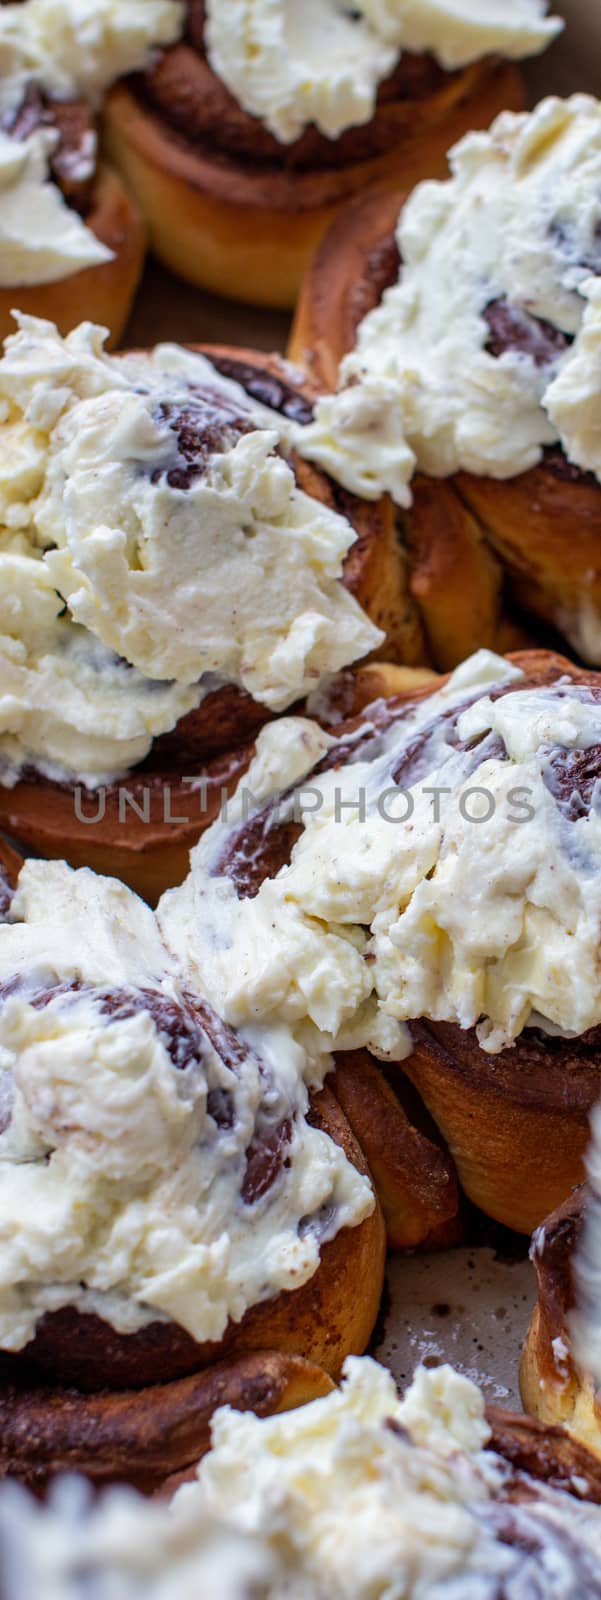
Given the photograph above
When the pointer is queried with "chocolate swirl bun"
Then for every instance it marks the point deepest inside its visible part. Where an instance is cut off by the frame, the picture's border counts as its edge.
(508, 1071)
(173, 784)
(205, 1219)
(491, 520)
(232, 207)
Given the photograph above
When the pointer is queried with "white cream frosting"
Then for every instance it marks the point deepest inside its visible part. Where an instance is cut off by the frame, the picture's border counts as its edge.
(131, 595)
(126, 1548)
(518, 221)
(77, 48)
(322, 62)
(42, 239)
(573, 400)
(360, 1496)
(375, 1497)
(69, 49)
(462, 894)
(460, 31)
(120, 1192)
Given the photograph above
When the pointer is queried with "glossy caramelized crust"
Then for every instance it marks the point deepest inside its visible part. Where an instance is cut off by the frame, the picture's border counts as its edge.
(142, 1436)
(10, 866)
(549, 1454)
(84, 1396)
(103, 293)
(230, 209)
(469, 538)
(143, 828)
(553, 1387)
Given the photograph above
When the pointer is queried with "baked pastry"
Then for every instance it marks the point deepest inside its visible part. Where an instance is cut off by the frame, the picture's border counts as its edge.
(72, 242)
(415, 887)
(555, 1386)
(10, 867)
(475, 365)
(168, 581)
(244, 140)
(359, 1495)
(185, 1212)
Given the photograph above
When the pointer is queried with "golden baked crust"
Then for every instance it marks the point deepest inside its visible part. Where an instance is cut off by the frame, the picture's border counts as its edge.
(140, 838)
(548, 1453)
(103, 293)
(142, 1436)
(10, 867)
(414, 1176)
(247, 228)
(478, 548)
(517, 1124)
(553, 1386)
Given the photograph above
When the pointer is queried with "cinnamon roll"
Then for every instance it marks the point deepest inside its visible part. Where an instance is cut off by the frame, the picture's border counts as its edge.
(184, 1209)
(360, 1494)
(172, 575)
(425, 887)
(468, 332)
(72, 242)
(245, 139)
(555, 1386)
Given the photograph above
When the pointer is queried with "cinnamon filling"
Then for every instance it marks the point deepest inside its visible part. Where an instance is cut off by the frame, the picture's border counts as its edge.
(266, 388)
(555, 461)
(382, 268)
(73, 162)
(207, 425)
(573, 778)
(512, 328)
(6, 894)
(547, 1550)
(195, 103)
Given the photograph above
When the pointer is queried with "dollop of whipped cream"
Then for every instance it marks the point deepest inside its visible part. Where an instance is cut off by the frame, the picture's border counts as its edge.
(479, 356)
(42, 239)
(77, 48)
(322, 62)
(367, 1495)
(153, 541)
(135, 1128)
(448, 866)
